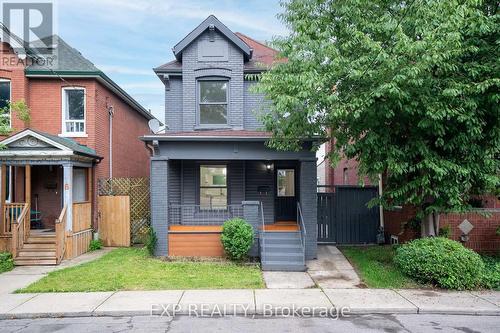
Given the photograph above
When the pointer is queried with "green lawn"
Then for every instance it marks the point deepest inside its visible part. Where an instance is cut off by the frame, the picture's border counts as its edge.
(375, 267)
(133, 269)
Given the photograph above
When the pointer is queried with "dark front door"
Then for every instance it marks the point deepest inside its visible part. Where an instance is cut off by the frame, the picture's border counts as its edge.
(286, 191)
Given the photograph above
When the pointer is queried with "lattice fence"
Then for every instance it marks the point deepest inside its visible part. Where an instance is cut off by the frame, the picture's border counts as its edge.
(138, 191)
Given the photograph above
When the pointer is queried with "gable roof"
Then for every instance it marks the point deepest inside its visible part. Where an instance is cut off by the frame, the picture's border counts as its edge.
(263, 57)
(211, 21)
(64, 145)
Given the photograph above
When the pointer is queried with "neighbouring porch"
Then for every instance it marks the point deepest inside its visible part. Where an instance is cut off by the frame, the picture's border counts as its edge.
(46, 199)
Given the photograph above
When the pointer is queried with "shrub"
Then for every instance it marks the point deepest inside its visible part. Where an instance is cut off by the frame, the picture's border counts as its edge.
(442, 262)
(445, 231)
(95, 244)
(151, 240)
(237, 238)
(6, 262)
(491, 276)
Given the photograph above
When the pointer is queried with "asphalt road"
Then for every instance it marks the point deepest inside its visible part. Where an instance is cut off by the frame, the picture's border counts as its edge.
(368, 323)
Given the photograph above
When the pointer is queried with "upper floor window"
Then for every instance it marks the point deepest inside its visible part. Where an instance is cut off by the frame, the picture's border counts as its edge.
(73, 111)
(5, 97)
(213, 101)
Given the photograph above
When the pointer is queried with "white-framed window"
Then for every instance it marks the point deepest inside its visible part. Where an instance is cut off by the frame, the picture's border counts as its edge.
(213, 187)
(73, 111)
(7, 183)
(5, 98)
(213, 100)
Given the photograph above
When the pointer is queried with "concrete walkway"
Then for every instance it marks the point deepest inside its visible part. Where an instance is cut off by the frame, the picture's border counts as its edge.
(332, 270)
(23, 276)
(248, 302)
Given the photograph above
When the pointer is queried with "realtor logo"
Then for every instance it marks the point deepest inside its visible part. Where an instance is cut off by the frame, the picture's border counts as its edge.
(29, 26)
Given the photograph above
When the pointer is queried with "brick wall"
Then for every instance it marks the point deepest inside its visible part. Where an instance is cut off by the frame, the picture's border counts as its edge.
(482, 238)
(335, 176)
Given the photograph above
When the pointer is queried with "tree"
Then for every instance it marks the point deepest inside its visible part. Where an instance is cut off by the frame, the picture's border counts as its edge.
(408, 88)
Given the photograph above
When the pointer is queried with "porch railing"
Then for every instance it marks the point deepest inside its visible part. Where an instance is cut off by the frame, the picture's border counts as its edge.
(12, 211)
(302, 226)
(60, 234)
(20, 230)
(82, 216)
(197, 215)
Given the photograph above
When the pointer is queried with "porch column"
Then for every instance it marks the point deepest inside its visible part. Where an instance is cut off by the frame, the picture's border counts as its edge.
(251, 214)
(68, 194)
(159, 203)
(308, 203)
(27, 191)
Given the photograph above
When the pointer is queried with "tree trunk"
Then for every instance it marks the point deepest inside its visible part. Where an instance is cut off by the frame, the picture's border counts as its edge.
(430, 225)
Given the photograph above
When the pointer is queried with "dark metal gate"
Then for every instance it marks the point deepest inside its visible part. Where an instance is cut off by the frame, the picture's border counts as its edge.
(344, 218)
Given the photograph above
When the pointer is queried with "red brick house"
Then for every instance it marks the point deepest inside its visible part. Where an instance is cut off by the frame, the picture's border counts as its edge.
(83, 127)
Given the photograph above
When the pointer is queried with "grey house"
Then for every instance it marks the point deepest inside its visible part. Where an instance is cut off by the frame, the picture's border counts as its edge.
(212, 163)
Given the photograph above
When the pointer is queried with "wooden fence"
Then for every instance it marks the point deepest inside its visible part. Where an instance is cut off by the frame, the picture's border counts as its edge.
(138, 191)
(82, 219)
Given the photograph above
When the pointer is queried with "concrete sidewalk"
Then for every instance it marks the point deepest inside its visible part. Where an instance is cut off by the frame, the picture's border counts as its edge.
(247, 302)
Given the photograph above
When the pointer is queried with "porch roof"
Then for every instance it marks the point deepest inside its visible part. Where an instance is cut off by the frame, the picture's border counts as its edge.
(211, 135)
(31, 143)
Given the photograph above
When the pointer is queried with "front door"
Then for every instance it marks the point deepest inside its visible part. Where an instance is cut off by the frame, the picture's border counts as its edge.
(286, 200)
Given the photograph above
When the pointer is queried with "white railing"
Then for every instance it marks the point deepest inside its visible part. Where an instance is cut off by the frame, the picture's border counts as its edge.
(197, 215)
(302, 226)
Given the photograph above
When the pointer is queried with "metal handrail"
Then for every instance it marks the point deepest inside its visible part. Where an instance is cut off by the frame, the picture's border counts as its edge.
(303, 232)
(263, 231)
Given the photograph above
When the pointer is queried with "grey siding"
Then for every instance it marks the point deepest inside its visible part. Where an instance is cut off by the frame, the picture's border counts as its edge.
(254, 107)
(236, 182)
(174, 182)
(192, 69)
(257, 175)
(173, 104)
(189, 184)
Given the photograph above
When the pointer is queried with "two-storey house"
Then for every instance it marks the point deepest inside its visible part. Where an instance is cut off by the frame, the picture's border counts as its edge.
(82, 127)
(212, 164)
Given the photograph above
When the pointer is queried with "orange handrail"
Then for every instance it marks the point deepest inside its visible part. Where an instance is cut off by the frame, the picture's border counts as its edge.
(20, 230)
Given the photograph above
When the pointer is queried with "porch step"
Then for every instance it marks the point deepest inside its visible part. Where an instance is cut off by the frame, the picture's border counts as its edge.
(35, 261)
(32, 253)
(39, 246)
(282, 251)
(41, 240)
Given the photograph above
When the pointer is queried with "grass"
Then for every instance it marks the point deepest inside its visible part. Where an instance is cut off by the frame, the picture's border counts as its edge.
(133, 269)
(375, 266)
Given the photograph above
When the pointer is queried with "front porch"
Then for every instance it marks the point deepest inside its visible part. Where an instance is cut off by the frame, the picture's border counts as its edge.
(45, 199)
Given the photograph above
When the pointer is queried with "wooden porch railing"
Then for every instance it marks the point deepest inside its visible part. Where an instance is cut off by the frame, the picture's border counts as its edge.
(81, 216)
(12, 211)
(61, 234)
(20, 230)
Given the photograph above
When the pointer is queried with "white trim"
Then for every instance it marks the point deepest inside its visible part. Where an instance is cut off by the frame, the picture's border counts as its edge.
(63, 113)
(13, 153)
(10, 99)
(40, 137)
(73, 135)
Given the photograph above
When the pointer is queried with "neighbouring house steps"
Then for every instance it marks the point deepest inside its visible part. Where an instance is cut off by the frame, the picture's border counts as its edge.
(38, 250)
(282, 251)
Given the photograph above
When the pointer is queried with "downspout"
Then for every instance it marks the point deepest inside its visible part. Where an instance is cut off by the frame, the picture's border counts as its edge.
(111, 112)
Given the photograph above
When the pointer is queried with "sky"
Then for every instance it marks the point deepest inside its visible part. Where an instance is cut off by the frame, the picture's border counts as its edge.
(127, 38)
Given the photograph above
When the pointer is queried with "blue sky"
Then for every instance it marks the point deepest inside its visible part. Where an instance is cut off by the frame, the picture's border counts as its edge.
(127, 38)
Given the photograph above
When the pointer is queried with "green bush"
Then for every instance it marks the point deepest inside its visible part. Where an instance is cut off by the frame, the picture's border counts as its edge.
(442, 262)
(491, 276)
(445, 231)
(151, 240)
(237, 238)
(95, 244)
(6, 262)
